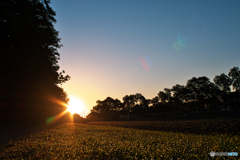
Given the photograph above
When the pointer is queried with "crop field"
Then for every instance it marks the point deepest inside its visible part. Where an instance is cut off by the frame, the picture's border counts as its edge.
(84, 141)
(229, 126)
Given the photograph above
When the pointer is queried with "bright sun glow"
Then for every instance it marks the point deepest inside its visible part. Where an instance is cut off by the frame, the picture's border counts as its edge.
(76, 105)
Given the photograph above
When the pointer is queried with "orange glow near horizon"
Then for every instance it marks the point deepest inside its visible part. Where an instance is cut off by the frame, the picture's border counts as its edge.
(53, 119)
(76, 105)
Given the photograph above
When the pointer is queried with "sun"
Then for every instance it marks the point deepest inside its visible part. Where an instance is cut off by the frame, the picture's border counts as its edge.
(76, 105)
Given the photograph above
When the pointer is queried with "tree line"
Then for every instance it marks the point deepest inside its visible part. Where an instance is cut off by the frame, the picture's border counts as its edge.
(198, 96)
(30, 75)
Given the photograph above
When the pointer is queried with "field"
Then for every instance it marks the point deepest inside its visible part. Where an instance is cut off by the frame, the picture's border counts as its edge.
(102, 141)
(229, 126)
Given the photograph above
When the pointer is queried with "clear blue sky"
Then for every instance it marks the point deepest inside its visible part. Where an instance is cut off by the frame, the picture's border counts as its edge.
(120, 47)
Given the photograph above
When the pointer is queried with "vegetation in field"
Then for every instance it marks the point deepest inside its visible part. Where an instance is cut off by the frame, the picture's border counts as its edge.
(82, 141)
(201, 127)
(32, 97)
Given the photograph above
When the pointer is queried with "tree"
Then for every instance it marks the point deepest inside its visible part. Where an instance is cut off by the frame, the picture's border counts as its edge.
(118, 105)
(234, 75)
(179, 92)
(165, 100)
(154, 101)
(29, 44)
(29, 57)
(162, 96)
(199, 94)
(101, 106)
(178, 97)
(224, 82)
(129, 102)
(142, 103)
(108, 108)
(192, 85)
(201, 89)
(168, 93)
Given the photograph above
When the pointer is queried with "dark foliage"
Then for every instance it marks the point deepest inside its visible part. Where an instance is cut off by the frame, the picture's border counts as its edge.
(29, 57)
(200, 96)
(211, 126)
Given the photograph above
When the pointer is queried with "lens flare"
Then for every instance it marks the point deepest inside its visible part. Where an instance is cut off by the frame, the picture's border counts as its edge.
(180, 43)
(49, 119)
(149, 61)
(52, 119)
(146, 63)
(177, 46)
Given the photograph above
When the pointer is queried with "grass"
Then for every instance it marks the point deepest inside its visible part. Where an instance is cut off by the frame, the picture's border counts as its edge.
(83, 141)
(230, 126)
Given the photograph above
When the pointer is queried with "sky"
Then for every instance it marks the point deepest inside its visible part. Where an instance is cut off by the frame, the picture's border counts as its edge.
(113, 48)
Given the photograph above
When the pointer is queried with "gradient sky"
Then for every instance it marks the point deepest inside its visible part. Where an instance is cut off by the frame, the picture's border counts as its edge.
(121, 47)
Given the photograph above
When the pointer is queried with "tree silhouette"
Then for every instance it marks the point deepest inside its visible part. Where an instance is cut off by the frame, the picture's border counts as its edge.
(234, 74)
(29, 61)
(180, 92)
(30, 44)
(224, 82)
(168, 93)
(154, 101)
(108, 109)
(141, 105)
(129, 102)
(199, 96)
(162, 96)
(192, 85)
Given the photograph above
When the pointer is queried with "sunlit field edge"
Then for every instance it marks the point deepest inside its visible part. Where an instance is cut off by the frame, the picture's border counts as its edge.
(82, 141)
